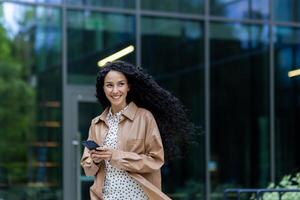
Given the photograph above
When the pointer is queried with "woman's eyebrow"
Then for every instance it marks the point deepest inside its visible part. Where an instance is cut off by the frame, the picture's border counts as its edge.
(117, 81)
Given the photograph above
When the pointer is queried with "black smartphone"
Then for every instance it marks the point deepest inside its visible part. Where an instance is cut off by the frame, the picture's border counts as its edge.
(90, 144)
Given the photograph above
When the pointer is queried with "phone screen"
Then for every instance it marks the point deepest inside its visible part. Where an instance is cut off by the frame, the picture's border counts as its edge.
(90, 144)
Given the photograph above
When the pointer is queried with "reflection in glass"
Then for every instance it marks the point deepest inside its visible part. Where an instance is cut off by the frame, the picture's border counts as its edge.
(172, 51)
(94, 36)
(240, 9)
(42, 1)
(104, 3)
(30, 90)
(239, 60)
(287, 10)
(287, 95)
(182, 6)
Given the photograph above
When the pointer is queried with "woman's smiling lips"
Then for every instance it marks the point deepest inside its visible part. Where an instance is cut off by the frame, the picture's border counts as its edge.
(116, 97)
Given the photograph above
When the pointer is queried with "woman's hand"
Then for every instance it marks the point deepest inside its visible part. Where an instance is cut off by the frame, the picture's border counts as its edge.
(101, 153)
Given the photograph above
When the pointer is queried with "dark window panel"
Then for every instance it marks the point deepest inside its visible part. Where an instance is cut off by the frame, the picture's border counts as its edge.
(287, 104)
(179, 6)
(240, 9)
(172, 51)
(104, 3)
(287, 10)
(239, 66)
(93, 36)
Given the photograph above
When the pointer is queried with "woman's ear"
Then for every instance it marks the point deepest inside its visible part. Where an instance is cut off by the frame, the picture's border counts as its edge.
(129, 86)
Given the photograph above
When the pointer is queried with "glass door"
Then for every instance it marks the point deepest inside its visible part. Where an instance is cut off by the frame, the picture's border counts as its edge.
(86, 112)
(80, 108)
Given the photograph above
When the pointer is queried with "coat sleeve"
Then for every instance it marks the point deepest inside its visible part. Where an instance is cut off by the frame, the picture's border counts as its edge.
(152, 160)
(89, 167)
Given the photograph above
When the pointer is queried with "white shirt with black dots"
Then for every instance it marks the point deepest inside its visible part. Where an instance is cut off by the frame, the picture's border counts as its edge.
(118, 185)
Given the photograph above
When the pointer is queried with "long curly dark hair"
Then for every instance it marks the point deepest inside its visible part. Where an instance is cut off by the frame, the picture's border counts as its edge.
(169, 113)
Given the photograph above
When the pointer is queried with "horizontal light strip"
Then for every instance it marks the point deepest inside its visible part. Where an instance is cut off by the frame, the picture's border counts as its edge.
(116, 55)
(294, 73)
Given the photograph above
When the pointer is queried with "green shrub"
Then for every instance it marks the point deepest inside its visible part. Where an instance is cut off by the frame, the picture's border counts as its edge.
(287, 182)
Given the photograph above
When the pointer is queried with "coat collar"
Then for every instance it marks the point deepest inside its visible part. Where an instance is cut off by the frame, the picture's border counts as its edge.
(128, 113)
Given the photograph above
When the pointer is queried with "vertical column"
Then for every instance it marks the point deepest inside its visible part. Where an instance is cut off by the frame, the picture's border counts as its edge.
(66, 159)
(272, 94)
(138, 36)
(207, 98)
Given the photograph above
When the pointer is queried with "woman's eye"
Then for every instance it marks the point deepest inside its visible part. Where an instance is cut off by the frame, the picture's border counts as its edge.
(109, 85)
(121, 84)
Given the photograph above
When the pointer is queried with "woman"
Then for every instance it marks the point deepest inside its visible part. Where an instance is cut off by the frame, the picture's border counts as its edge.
(140, 120)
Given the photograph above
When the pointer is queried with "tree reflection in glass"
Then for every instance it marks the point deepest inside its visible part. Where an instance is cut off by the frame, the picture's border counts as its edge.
(30, 112)
(241, 9)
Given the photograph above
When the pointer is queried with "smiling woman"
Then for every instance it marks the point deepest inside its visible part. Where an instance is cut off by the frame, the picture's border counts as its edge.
(141, 121)
(115, 89)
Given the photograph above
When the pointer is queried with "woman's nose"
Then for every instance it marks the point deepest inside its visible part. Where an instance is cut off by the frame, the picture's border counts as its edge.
(115, 89)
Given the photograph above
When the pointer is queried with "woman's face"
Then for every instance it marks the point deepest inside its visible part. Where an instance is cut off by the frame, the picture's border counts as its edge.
(116, 88)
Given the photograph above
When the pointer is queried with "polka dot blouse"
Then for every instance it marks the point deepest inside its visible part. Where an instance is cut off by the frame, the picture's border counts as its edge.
(118, 185)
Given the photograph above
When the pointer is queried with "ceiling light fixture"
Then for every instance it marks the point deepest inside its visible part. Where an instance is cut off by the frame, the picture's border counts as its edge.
(116, 55)
(294, 73)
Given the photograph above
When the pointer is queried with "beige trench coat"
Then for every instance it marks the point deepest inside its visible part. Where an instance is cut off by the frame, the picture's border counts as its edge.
(139, 151)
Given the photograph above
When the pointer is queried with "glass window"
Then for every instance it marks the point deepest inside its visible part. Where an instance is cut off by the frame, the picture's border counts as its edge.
(93, 36)
(239, 62)
(30, 105)
(172, 51)
(240, 9)
(104, 3)
(287, 10)
(287, 96)
(180, 6)
(42, 1)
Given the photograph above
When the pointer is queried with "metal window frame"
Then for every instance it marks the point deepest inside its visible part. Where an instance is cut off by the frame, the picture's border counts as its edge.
(207, 97)
(272, 94)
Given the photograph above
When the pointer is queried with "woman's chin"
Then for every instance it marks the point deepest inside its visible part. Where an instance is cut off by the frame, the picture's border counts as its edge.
(117, 104)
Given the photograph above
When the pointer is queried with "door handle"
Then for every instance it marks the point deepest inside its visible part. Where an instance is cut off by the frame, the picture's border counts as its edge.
(75, 142)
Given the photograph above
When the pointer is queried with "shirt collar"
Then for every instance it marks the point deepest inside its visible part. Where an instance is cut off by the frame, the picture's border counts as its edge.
(118, 114)
(128, 113)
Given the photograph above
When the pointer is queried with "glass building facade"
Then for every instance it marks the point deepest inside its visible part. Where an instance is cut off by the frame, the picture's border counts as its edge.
(226, 60)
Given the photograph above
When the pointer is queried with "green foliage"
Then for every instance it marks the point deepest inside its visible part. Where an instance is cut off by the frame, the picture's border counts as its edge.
(16, 113)
(287, 182)
(4, 46)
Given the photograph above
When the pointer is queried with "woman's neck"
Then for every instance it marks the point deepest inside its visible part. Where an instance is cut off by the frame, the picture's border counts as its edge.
(116, 109)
